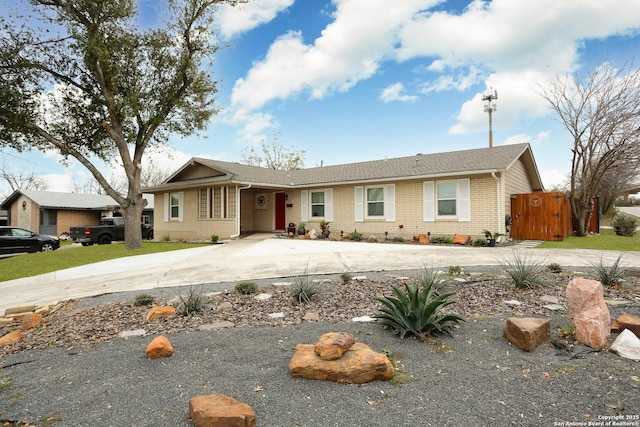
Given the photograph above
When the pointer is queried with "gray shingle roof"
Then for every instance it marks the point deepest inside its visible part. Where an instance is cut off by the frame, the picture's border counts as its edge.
(480, 160)
(52, 199)
(59, 200)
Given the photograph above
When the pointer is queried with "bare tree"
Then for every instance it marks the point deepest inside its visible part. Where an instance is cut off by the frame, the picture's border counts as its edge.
(601, 111)
(21, 179)
(274, 156)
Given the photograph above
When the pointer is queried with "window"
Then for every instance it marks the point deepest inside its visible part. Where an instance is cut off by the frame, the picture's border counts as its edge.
(174, 205)
(375, 201)
(446, 193)
(317, 204)
(447, 200)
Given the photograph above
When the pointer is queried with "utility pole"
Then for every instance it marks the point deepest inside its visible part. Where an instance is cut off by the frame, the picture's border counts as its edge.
(490, 108)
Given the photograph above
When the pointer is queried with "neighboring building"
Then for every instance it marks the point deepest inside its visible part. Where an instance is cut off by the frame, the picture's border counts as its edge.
(462, 192)
(49, 212)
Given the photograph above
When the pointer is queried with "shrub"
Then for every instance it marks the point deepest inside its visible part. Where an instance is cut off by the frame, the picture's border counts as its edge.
(398, 239)
(625, 225)
(432, 278)
(417, 311)
(479, 243)
(554, 267)
(193, 302)
(346, 277)
(247, 288)
(441, 240)
(356, 236)
(524, 270)
(609, 275)
(215, 238)
(304, 289)
(144, 299)
(455, 270)
(166, 238)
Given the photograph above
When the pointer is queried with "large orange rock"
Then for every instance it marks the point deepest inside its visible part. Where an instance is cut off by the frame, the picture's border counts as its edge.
(528, 332)
(160, 311)
(159, 347)
(626, 321)
(30, 320)
(358, 365)
(589, 312)
(218, 410)
(11, 338)
(333, 345)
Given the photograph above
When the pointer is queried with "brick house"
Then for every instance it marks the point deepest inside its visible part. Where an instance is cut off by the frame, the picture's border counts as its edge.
(53, 213)
(462, 192)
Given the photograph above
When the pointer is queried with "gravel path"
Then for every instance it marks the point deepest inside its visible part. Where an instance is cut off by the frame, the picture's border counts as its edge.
(475, 378)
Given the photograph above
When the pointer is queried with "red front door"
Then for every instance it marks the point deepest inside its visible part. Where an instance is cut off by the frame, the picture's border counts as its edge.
(280, 210)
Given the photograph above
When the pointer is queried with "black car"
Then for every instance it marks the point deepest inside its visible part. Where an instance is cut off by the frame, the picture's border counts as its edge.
(16, 240)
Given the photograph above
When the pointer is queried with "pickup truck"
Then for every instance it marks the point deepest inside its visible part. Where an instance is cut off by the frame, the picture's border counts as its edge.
(110, 229)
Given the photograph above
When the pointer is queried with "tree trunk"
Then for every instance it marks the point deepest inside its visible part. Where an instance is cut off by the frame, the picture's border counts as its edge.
(581, 215)
(132, 224)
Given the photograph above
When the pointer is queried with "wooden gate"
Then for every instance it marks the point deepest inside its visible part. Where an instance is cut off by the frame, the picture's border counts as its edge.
(540, 216)
(545, 216)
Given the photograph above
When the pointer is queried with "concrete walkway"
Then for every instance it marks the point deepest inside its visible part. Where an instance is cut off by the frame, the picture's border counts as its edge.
(262, 256)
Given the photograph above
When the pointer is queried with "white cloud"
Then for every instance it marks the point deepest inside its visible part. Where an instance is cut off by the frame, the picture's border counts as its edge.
(553, 178)
(233, 20)
(512, 46)
(394, 93)
(348, 50)
(524, 138)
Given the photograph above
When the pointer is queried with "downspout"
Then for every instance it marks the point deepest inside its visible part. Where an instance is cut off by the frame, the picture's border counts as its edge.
(493, 174)
(238, 210)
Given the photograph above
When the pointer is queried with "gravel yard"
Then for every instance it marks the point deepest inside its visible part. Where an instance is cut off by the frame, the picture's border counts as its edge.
(75, 370)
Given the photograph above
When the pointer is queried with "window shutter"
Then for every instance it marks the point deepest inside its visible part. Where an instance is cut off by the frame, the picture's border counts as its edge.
(428, 201)
(304, 206)
(464, 200)
(328, 204)
(180, 206)
(358, 203)
(390, 202)
(167, 208)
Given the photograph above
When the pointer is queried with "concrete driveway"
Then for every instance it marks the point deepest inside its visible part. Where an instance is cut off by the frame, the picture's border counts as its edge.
(262, 256)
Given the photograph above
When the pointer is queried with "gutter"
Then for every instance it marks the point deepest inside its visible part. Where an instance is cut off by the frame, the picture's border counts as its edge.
(493, 175)
(234, 236)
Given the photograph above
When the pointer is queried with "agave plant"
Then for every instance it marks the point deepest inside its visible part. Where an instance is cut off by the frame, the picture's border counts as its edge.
(417, 311)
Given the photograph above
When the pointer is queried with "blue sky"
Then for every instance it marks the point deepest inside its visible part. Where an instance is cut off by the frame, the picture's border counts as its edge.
(356, 80)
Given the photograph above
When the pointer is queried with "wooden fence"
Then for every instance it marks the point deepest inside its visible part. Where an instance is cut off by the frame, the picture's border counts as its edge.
(545, 216)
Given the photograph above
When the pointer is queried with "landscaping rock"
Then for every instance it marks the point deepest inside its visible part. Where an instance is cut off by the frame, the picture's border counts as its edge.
(11, 338)
(626, 321)
(358, 365)
(160, 311)
(363, 319)
(218, 410)
(223, 324)
(461, 239)
(311, 315)
(159, 347)
(132, 333)
(30, 320)
(589, 312)
(20, 309)
(333, 345)
(527, 333)
(225, 306)
(627, 345)
(421, 238)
